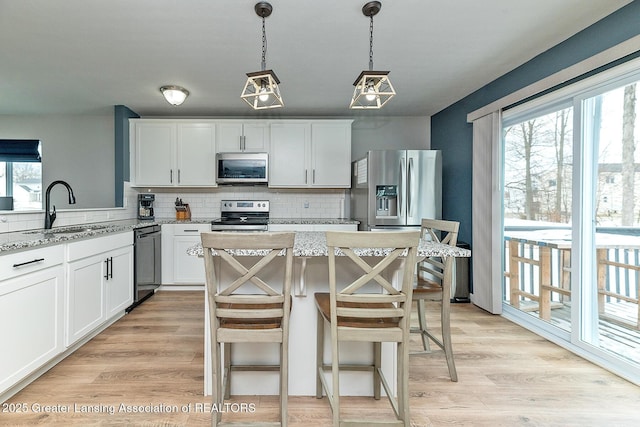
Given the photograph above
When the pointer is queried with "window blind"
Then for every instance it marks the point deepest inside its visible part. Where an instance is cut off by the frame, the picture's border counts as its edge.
(20, 150)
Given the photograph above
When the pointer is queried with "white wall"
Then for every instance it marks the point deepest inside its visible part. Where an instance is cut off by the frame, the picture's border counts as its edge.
(389, 133)
(78, 149)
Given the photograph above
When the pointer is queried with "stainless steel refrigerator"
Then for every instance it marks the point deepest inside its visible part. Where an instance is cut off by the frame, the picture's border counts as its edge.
(395, 189)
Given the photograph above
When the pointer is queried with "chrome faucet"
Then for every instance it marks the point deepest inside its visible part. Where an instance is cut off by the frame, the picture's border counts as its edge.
(49, 217)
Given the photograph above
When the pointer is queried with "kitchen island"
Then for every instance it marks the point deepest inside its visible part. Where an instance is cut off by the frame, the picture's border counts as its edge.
(310, 276)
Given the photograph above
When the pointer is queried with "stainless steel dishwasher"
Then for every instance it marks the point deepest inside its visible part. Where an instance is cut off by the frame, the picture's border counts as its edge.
(146, 260)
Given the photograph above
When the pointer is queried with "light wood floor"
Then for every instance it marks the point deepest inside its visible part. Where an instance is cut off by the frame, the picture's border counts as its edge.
(153, 356)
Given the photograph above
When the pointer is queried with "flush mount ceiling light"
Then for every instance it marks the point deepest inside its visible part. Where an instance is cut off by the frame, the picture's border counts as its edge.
(373, 88)
(175, 95)
(261, 90)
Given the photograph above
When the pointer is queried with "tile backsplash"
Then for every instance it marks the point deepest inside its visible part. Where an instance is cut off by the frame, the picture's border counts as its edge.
(284, 203)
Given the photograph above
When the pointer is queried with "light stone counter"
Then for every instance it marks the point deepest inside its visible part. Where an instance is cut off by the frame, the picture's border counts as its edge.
(314, 244)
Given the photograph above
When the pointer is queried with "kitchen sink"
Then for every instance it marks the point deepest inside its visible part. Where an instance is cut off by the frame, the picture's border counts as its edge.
(68, 230)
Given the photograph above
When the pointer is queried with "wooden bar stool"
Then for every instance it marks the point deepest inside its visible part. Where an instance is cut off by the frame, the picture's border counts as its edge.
(260, 315)
(380, 313)
(433, 283)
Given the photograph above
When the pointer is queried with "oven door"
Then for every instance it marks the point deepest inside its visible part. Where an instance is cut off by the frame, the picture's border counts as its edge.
(242, 168)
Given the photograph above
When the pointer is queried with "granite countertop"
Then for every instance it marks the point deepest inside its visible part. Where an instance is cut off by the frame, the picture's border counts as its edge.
(313, 221)
(25, 239)
(39, 237)
(314, 244)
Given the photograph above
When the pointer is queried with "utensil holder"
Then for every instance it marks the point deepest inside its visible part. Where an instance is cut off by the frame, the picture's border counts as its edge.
(183, 212)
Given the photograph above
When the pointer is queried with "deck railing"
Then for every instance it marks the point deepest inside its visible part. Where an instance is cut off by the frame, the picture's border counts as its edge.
(538, 278)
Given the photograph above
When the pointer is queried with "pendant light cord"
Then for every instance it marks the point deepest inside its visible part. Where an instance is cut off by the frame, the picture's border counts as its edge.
(264, 46)
(371, 43)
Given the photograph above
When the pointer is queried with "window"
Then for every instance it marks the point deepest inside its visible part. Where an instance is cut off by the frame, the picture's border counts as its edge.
(21, 173)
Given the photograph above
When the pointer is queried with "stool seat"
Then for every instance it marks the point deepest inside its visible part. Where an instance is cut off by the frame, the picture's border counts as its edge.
(323, 303)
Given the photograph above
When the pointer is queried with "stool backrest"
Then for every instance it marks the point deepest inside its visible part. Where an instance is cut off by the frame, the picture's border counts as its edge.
(435, 269)
(371, 296)
(248, 296)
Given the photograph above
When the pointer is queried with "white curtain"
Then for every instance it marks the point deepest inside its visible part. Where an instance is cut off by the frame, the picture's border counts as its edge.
(486, 214)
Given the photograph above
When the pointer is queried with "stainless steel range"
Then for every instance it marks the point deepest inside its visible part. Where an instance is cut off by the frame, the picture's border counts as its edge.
(242, 215)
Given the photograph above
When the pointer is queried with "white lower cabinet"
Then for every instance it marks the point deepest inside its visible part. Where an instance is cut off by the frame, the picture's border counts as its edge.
(99, 282)
(31, 312)
(179, 268)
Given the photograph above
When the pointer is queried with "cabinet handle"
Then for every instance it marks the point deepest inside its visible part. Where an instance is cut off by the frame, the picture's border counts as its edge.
(243, 142)
(33, 261)
(313, 181)
(306, 174)
(171, 176)
(109, 268)
(178, 176)
(190, 231)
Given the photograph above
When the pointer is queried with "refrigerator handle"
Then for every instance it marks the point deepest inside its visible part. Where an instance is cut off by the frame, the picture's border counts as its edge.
(410, 188)
(401, 191)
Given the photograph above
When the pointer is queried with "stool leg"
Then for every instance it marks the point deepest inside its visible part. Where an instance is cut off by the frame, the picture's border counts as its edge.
(403, 381)
(335, 374)
(216, 382)
(319, 353)
(422, 321)
(227, 370)
(446, 338)
(377, 363)
(284, 382)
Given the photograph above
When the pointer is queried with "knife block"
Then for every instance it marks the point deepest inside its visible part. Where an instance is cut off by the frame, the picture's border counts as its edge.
(183, 212)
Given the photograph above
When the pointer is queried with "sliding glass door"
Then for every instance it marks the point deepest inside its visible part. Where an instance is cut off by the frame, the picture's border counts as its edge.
(610, 223)
(571, 217)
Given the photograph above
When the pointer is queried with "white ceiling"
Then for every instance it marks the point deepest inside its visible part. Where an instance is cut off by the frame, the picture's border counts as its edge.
(83, 57)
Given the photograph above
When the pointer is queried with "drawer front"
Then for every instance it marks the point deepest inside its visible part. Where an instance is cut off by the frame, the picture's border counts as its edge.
(97, 245)
(190, 229)
(18, 263)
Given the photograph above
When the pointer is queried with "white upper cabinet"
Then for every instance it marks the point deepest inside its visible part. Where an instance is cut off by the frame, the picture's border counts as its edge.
(169, 153)
(288, 159)
(310, 154)
(236, 136)
(196, 154)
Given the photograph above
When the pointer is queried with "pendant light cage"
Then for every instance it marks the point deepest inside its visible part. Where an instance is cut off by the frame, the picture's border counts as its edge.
(373, 89)
(261, 91)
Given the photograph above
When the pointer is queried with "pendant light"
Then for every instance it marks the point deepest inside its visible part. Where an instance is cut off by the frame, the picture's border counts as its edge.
(175, 95)
(261, 90)
(373, 88)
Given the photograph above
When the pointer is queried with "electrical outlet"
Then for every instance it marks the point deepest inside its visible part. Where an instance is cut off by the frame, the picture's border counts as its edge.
(306, 205)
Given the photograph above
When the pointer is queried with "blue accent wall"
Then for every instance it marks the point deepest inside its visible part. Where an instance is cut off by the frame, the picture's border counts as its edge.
(122, 115)
(451, 133)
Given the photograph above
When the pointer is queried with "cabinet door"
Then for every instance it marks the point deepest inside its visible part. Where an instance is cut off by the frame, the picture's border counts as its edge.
(85, 296)
(187, 269)
(228, 136)
(155, 146)
(255, 137)
(196, 154)
(32, 319)
(119, 283)
(331, 155)
(288, 161)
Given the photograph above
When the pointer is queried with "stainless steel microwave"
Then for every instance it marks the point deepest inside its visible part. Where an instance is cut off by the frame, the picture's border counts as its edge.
(242, 168)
